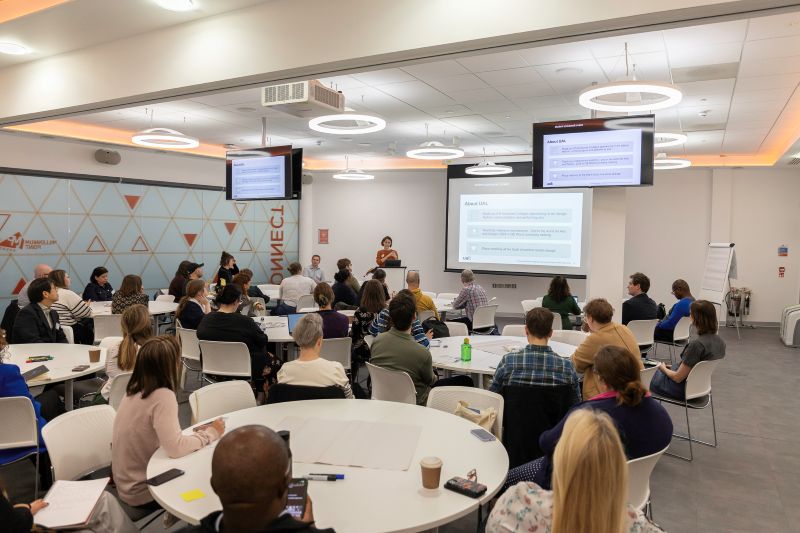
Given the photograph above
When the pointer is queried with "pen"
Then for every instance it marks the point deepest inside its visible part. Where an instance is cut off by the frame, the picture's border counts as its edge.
(323, 477)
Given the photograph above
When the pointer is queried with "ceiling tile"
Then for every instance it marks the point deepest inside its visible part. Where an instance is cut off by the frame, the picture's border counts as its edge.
(540, 103)
(342, 82)
(435, 70)
(494, 106)
(651, 66)
(380, 77)
(528, 90)
(701, 36)
(572, 76)
(744, 96)
(769, 66)
(513, 76)
(454, 110)
(639, 43)
(706, 93)
(782, 25)
(557, 53)
(462, 82)
(488, 62)
(474, 123)
(476, 95)
(779, 81)
(416, 93)
(768, 48)
(684, 55)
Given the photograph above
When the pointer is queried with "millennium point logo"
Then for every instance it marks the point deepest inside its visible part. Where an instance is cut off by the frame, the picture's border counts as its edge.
(17, 242)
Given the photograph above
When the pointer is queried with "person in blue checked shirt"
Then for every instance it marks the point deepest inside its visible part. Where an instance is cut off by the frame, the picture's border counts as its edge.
(537, 363)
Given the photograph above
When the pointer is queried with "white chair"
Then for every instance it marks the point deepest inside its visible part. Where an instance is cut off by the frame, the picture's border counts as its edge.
(392, 385)
(449, 296)
(119, 387)
(430, 294)
(514, 330)
(647, 374)
(230, 359)
(69, 334)
(165, 297)
(220, 398)
(190, 352)
(424, 315)
(108, 342)
(107, 326)
(307, 309)
(643, 331)
(680, 336)
(337, 350)
(369, 339)
(568, 336)
(527, 305)
(447, 398)
(457, 329)
(639, 471)
(79, 441)
(698, 396)
(20, 431)
(483, 318)
(306, 301)
(164, 291)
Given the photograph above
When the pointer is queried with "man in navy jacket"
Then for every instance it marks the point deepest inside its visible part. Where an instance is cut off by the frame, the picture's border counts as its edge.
(37, 322)
(639, 306)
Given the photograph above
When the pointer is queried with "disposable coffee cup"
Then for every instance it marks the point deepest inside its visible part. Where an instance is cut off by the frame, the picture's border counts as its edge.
(94, 355)
(431, 468)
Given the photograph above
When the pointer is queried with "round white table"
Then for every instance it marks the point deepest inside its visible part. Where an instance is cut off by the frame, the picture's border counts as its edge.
(275, 327)
(65, 358)
(446, 353)
(367, 500)
(154, 306)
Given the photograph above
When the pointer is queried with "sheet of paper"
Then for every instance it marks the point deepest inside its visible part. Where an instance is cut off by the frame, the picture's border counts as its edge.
(70, 502)
(500, 347)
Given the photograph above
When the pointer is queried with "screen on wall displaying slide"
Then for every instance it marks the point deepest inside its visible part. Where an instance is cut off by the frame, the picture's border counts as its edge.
(498, 224)
(600, 152)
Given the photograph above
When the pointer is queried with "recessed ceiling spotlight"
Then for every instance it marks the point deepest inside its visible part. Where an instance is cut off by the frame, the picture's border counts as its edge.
(14, 49)
(354, 124)
(177, 5)
(704, 113)
(664, 139)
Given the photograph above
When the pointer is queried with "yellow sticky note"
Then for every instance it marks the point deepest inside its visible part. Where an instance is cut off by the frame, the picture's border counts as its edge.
(192, 495)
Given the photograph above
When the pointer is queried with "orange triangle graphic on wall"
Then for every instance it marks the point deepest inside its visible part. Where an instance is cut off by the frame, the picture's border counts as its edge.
(140, 245)
(246, 246)
(18, 287)
(132, 200)
(96, 245)
(240, 207)
(3, 219)
(190, 238)
(230, 226)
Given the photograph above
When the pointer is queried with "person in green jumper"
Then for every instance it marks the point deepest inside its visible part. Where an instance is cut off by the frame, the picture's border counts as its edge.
(560, 301)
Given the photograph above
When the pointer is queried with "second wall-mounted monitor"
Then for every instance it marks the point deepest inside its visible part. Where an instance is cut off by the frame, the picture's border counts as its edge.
(594, 152)
(268, 173)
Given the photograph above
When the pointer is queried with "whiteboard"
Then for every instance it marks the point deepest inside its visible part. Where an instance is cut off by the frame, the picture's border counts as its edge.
(720, 266)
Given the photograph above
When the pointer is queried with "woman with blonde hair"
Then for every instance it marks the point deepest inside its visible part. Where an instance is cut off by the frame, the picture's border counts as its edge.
(590, 487)
(136, 329)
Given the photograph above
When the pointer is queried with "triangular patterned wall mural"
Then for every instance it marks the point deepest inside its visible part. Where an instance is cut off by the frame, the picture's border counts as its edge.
(129, 228)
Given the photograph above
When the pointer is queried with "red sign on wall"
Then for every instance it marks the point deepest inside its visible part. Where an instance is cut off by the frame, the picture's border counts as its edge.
(323, 236)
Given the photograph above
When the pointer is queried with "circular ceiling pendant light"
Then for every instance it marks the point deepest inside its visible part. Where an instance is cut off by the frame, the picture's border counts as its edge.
(348, 124)
(176, 5)
(353, 175)
(487, 168)
(434, 150)
(14, 49)
(664, 139)
(165, 138)
(662, 162)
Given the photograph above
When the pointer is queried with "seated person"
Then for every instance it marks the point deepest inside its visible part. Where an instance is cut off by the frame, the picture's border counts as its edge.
(396, 349)
(37, 322)
(424, 302)
(335, 325)
(187, 271)
(470, 298)
(292, 288)
(98, 289)
(343, 295)
(147, 419)
(666, 328)
(130, 293)
(372, 303)
(345, 264)
(639, 306)
(559, 300)
(227, 269)
(590, 487)
(309, 368)
(314, 271)
(381, 323)
(705, 346)
(598, 313)
(537, 363)
(380, 275)
(227, 325)
(250, 473)
(254, 291)
(121, 357)
(643, 424)
(247, 306)
(72, 311)
(194, 305)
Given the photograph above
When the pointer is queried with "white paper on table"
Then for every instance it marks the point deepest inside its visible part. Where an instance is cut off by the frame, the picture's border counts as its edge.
(377, 445)
(500, 347)
(481, 359)
(71, 503)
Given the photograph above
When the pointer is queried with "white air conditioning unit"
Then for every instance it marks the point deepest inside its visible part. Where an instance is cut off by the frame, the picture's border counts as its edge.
(305, 99)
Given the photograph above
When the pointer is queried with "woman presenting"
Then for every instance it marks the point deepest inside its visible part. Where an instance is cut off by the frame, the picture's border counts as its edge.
(386, 253)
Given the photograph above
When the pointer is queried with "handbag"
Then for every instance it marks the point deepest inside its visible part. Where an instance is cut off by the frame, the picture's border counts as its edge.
(484, 418)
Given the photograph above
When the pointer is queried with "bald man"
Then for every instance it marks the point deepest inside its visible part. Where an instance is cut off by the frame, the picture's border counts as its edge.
(250, 474)
(424, 302)
(40, 271)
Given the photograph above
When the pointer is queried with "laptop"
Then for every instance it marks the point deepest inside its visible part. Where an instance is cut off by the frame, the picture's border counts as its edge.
(392, 263)
(293, 320)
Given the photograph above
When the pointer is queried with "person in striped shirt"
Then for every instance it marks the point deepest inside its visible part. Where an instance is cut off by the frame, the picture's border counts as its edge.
(72, 309)
(537, 363)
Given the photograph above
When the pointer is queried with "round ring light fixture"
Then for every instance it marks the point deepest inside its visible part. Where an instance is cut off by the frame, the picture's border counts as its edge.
(13, 49)
(363, 124)
(664, 139)
(165, 138)
(434, 150)
(615, 97)
(353, 175)
(487, 168)
(662, 162)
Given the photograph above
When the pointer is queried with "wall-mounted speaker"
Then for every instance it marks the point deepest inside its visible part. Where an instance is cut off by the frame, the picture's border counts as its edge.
(107, 157)
(308, 179)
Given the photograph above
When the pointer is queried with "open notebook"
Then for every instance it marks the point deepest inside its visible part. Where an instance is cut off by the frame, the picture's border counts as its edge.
(71, 503)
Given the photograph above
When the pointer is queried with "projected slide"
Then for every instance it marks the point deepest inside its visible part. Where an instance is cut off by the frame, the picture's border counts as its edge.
(258, 177)
(521, 229)
(592, 158)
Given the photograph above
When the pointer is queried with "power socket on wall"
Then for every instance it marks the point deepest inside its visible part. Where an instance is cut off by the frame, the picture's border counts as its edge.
(504, 285)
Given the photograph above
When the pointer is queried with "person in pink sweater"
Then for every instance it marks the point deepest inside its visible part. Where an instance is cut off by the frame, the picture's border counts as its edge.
(147, 419)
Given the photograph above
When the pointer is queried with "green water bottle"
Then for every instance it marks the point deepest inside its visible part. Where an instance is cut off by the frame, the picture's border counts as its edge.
(466, 350)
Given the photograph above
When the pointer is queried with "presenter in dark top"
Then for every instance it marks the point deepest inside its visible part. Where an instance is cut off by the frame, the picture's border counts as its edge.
(639, 306)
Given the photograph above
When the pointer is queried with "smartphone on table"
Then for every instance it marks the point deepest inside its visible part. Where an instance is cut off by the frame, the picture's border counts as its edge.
(483, 435)
(298, 496)
(163, 477)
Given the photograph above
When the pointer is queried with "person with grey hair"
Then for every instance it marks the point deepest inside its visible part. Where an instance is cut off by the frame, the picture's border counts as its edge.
(310, 369)
(471, 297)
(39, 271)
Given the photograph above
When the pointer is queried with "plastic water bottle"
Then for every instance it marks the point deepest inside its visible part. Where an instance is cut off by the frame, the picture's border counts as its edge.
(466, 350)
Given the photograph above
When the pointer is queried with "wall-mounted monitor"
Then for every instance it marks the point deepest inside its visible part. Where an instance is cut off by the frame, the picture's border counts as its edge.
(259, 174)
(594, 152)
